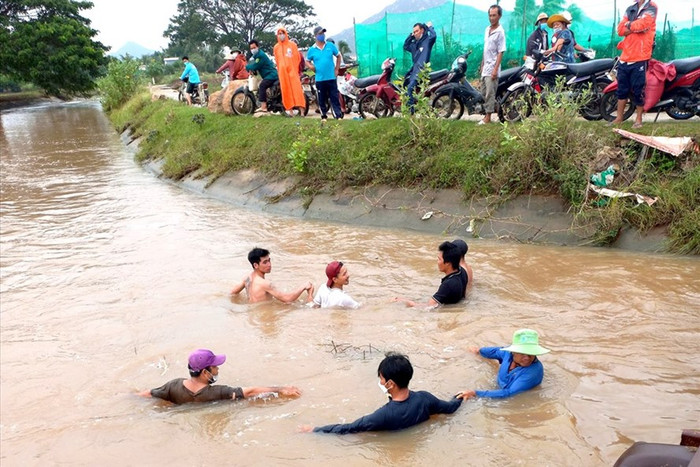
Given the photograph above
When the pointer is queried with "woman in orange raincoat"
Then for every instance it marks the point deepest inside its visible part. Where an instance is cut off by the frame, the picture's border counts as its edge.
(288, 58)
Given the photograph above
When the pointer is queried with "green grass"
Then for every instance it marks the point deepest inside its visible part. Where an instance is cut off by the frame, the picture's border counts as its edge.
(553, 153)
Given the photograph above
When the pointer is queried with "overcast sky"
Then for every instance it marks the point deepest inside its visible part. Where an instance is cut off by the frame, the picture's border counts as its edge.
(143, 21)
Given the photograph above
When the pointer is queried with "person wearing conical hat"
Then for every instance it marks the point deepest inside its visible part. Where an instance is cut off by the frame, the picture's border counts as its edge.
(520, 368)
(562, 39)
(539, 39)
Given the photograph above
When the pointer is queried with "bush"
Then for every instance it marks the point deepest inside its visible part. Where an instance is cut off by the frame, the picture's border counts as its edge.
(121, 83)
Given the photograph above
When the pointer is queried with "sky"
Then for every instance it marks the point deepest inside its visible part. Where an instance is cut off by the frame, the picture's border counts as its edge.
(143, 21)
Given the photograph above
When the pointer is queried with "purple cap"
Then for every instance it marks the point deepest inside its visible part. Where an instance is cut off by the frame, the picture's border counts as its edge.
(203, 358)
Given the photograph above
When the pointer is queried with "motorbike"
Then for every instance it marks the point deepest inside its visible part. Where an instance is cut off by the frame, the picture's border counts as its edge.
(452, 99)
(680, 99)
(200, 96)
(592, 76)
(244, 100)
(384, 98)
(308, 84)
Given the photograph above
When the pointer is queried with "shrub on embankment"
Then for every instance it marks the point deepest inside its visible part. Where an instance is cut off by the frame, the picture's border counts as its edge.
(554, 153)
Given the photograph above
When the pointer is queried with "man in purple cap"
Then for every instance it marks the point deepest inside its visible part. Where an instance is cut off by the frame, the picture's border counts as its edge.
(203, 365)
(331, 293)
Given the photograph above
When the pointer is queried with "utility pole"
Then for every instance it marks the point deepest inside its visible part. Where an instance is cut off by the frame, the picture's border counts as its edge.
(614, 27)
(522, 33)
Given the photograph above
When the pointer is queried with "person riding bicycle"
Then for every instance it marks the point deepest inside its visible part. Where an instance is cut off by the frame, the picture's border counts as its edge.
(262, 64)
(191, 76)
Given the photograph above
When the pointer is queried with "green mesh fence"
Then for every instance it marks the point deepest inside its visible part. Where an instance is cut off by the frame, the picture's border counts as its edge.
(460, 28)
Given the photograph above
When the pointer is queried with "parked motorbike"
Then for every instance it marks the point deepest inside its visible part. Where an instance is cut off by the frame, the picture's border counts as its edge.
(452, 99)
(244, 100)
(200, 96)
(592, 77)
(680, 99)
(384, 98)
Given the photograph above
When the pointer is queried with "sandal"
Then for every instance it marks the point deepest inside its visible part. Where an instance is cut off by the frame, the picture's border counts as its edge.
(260, 111)
(637, 125)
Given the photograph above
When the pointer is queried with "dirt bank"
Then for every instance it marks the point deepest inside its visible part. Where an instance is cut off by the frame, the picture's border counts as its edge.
(525, 219)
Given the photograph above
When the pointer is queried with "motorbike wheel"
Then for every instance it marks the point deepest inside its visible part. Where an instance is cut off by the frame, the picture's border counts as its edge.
(373, 107)
(180, 96)
(243, 103)
(516, 105)
(447, 106)
(608, 107)
(678, 114)
(591, 110)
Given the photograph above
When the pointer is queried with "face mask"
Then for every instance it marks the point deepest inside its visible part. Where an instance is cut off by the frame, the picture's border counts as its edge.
(212, 378)
(557, 29)
(234, 55)
(543, 26)
(382, 387)
(254, 51)
(321, 38)
(282, 37)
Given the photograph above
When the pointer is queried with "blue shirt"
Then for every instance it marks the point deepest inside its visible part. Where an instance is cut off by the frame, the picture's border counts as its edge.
(520, 379)
(396, 415)
(420, 50)
(191, 73)
(323, 60)
(566, 53)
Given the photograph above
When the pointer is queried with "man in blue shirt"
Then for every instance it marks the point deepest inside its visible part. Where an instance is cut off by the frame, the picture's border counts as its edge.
(192, 76)
(324, 58)
(520, 369)
(405, 409)
(419, 44)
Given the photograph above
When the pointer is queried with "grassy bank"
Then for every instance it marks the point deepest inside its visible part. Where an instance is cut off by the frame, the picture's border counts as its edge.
(554, 153)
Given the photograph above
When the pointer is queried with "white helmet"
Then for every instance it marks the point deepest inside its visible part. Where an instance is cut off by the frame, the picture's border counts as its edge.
(567, 15)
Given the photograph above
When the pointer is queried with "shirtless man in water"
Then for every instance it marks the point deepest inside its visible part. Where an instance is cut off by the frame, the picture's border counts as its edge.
(259, 289)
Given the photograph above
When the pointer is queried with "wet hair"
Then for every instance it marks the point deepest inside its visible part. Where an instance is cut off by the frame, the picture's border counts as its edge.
(255, 255)
(254, 41)
(185, 57)
(450, 254)
(396, 367)
(498, 8)
(195, 373)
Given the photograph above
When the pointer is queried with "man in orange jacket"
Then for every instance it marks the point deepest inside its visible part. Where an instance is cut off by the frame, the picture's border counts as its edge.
(288, 58)
(638, 29)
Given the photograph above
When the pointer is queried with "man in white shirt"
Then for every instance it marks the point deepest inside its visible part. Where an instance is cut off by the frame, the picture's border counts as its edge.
(494, 46)
(331, 293)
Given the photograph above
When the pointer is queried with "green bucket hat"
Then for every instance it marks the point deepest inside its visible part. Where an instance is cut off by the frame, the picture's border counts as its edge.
(526, 341)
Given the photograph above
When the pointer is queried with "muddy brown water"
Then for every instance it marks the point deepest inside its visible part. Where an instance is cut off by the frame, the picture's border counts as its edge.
(111, 277)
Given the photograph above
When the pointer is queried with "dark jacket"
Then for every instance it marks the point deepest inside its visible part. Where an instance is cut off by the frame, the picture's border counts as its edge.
(538, 40)
(420, 50)
(263, 65)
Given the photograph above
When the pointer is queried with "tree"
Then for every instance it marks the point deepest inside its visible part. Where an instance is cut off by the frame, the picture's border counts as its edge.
(235, 22)
(527, 9)
(50, 44)
(552, 7)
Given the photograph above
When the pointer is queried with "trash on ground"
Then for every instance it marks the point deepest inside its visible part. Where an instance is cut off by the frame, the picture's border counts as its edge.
(641, 199)
(427, 215)
(674, 146)
(605, 177)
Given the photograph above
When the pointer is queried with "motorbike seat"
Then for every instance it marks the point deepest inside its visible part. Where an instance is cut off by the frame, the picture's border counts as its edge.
(686, 65)
(507, 74)
(591, 67)
(366, 82)
(438, 75)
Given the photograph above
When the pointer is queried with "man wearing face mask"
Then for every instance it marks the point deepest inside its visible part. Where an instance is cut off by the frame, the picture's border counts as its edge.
(324, 58)
(203, 365)
(404, 409)
(539, 39)
(262, 64)
(288, 60)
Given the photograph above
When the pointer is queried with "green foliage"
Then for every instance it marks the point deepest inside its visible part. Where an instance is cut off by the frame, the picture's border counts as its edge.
(665, 49)
(120, 84)
(49, 44)
(546, 154)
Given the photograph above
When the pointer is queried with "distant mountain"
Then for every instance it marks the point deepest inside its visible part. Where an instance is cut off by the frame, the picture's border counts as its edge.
(132, 49)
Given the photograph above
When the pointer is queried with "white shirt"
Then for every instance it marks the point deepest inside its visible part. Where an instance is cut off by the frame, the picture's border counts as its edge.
(327, 297)
(494, 43)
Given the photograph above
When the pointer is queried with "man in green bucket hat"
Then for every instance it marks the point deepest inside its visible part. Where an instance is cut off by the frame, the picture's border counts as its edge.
(520, 369)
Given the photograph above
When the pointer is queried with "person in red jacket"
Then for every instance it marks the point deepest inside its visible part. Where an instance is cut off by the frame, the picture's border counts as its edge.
(235, 64)
(637, 28)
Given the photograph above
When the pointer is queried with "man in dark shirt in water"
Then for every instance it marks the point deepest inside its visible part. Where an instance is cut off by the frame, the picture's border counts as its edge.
(453, 286)
(405, 409)
(204, 371)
